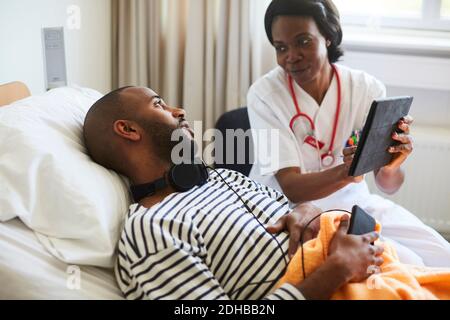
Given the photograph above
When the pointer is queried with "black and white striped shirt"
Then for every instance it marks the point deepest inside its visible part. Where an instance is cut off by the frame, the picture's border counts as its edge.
(204, 244)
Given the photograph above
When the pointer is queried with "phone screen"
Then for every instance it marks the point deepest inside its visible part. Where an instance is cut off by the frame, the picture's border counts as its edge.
(361, 222)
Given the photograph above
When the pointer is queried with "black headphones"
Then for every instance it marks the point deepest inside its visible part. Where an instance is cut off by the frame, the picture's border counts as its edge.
(182, 177)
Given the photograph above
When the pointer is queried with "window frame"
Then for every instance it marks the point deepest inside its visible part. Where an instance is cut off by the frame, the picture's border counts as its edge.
(431, 19)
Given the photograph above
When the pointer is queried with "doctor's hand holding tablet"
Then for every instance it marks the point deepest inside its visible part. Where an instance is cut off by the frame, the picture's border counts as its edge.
(385, 143)
(400, 150)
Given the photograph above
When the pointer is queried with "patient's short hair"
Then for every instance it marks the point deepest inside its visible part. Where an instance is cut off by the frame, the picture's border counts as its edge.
(98, 129)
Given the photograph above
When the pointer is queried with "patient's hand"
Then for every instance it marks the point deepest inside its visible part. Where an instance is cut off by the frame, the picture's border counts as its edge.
(295, 222)
(355, 253)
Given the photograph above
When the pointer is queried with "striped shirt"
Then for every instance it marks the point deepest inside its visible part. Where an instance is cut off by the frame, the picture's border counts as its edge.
(204, 244)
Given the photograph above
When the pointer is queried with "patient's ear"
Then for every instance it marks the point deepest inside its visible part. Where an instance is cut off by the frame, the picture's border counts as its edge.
(127, 130)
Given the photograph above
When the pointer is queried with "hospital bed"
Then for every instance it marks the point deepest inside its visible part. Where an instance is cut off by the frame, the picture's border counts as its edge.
(28, 269)
(71, 254)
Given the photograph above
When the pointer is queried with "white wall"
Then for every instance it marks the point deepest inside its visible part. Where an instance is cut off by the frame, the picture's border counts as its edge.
(425, 78)
(88, 50)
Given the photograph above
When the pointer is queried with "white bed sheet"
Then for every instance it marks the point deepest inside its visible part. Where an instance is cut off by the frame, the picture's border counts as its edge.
(28, 271)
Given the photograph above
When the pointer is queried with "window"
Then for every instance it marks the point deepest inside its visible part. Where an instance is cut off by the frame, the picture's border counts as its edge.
(396, 8)
(415, 14)
(445, 13)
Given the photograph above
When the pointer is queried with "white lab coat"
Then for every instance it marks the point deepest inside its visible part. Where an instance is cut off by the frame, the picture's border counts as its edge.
(270, 106)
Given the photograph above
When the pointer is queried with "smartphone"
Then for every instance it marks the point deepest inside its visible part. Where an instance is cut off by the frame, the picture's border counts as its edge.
(361, 222)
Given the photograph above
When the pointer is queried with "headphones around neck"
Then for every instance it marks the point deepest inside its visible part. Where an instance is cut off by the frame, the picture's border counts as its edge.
(182, 177)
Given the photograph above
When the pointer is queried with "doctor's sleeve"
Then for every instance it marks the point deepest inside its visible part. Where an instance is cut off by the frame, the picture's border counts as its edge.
(375, 90)
(275, 145)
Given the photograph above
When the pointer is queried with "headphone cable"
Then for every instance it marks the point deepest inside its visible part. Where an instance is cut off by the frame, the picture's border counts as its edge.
(239, 289)
(259, 222)
(302, 237)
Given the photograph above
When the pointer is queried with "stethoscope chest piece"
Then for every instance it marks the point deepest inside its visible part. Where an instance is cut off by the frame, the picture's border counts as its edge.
(327, 160)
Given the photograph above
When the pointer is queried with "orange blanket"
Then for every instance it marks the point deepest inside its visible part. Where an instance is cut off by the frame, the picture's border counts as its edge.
(395, 281)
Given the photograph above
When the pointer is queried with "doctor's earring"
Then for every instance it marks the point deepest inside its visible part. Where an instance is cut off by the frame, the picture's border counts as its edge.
(328, 43)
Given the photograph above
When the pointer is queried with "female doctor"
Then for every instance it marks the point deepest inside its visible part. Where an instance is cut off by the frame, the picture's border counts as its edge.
(318, 108)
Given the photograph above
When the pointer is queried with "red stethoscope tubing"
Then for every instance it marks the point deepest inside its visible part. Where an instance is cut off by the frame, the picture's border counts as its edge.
(300, 114)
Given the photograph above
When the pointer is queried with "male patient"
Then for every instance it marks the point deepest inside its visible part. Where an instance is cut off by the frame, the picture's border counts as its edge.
(203, 243)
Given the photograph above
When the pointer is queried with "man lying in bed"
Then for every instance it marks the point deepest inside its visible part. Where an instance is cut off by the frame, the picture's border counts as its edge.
(204, 243)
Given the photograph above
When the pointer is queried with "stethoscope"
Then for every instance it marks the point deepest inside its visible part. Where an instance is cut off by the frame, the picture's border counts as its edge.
(326, 159)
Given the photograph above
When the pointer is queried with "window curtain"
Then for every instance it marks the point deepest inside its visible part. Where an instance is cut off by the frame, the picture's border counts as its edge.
(202, 55)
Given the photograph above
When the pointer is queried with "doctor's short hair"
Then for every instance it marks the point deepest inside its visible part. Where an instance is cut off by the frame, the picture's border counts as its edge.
(324, 13)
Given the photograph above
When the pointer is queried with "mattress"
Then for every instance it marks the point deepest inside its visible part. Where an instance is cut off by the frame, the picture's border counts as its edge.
(29, 271)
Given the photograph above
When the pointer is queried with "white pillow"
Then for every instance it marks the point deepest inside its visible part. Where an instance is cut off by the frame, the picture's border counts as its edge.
(75, 206)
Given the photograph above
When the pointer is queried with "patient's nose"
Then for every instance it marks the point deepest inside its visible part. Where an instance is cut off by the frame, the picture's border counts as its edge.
(178, 113)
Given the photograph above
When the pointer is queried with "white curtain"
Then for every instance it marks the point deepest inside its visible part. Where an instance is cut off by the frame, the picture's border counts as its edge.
(149, 44)
(199, 54)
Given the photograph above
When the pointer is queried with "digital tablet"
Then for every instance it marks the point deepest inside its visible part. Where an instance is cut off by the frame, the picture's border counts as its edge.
(376, 137)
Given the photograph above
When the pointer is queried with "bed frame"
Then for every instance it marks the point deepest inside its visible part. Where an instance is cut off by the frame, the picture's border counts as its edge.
(12, 92)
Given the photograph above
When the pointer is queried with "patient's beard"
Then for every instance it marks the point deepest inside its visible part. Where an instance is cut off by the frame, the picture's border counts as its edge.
(160, 136)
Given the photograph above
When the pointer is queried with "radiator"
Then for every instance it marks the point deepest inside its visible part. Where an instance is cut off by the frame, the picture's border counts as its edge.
(426, 191)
